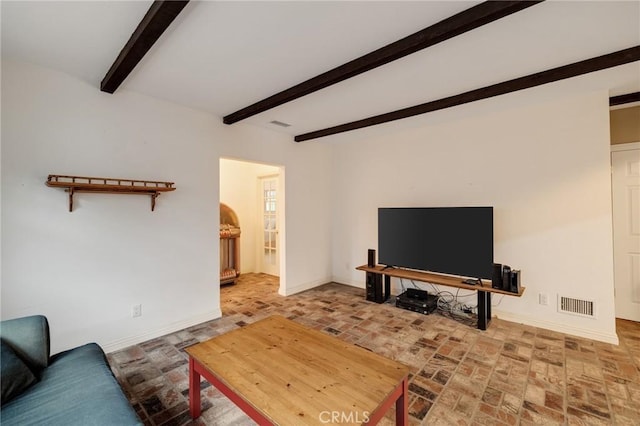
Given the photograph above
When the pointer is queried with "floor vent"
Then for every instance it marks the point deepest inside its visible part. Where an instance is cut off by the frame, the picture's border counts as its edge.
(569, 305)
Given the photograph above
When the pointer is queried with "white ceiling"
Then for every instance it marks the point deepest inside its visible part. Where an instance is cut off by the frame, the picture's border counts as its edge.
(221, 56)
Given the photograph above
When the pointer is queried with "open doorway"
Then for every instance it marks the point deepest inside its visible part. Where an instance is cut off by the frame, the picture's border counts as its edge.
(255, 192)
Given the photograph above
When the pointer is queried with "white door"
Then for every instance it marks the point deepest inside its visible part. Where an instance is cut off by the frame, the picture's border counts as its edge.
(626, 232)
(270, 242)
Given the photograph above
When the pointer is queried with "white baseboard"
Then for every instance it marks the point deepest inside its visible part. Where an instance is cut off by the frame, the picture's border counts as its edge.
(349, 282)
(305, 286)
(553, 326)
(171, 328)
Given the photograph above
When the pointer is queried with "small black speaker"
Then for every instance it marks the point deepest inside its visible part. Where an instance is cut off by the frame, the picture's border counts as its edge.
(374, 287)
(496, 277)
(371, 259)
(506, 277)
(515, 281)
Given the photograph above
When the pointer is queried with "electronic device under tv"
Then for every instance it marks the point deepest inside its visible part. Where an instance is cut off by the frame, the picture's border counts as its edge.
(448, 240)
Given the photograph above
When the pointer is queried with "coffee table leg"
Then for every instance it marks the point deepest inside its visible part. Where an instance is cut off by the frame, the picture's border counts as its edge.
(402, 404)
(194, 390)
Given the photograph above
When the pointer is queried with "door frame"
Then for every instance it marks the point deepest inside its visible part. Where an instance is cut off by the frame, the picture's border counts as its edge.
(282, 221)
(630, 146)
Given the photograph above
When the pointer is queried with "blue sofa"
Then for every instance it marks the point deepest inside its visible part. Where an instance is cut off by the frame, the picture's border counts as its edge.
(75, 387)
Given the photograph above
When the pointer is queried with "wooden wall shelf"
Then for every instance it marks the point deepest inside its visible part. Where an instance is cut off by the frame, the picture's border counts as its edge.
(73, 184)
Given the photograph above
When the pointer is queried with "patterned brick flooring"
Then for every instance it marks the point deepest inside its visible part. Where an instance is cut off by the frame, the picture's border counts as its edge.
(510, 374)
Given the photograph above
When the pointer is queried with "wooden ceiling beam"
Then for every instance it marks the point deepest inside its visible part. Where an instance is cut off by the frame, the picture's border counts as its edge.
(455, 25)
(610, 60)
(624, 99)
(157, 19)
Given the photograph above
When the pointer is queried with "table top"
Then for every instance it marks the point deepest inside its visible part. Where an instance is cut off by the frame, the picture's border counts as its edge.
(293, 374)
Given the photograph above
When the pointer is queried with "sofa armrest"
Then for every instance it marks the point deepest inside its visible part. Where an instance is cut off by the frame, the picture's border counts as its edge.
(29, 338)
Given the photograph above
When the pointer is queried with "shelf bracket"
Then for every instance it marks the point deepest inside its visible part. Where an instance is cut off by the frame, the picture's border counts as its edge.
(70, 190)
(153, 200)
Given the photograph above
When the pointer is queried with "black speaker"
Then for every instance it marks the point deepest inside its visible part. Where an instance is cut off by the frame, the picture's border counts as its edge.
(496, 277)
(371, 259)
(374, 287)
(506, 277)
(515, 281)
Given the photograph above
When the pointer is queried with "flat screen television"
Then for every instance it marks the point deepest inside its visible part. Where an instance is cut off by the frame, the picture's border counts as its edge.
(449, 240)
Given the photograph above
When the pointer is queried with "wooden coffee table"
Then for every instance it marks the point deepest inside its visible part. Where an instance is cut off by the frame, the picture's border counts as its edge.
(281, 372)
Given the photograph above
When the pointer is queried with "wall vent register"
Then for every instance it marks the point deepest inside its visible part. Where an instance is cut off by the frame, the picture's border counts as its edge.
(570, 305)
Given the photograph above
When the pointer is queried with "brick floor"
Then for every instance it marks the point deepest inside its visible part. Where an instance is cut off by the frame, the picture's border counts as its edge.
(509, 374)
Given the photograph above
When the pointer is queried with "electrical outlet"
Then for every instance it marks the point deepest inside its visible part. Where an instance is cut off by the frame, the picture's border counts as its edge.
(136, 310)
(543, 299)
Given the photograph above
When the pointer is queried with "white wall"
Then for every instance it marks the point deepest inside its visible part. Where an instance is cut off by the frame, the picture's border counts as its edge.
(84, 270)
(550, 191)
(239, 190)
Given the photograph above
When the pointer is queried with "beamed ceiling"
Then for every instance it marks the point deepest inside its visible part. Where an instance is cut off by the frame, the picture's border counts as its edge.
(331, 67)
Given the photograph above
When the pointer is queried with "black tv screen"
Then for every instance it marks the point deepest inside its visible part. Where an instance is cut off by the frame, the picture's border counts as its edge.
(450, 240)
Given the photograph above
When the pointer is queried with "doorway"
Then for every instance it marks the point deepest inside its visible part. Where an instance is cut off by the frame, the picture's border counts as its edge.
(625, 183)
(255, 191)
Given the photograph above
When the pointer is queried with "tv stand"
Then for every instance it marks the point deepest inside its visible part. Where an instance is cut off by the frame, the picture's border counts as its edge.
(484, 289)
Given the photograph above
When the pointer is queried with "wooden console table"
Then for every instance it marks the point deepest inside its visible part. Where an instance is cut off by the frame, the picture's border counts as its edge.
(484, 290)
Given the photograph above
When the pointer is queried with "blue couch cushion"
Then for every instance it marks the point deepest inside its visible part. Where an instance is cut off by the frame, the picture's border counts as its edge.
(78, 388)
(15, 376)
(29, 339)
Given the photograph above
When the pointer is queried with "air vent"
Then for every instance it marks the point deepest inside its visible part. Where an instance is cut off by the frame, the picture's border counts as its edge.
(583, 308)
(279, 123)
